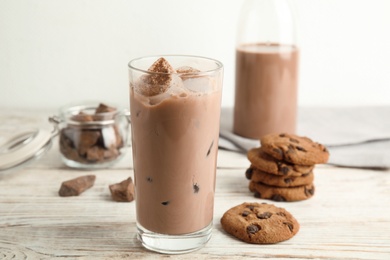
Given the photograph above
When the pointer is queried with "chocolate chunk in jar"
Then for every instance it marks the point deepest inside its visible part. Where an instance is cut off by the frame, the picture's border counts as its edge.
(85, 139)
(83, 117)
(67, 148)
(103, 108)
(104, 112)
(95, 154)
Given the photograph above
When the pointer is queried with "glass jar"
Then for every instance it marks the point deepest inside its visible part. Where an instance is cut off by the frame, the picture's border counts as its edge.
(92, 135)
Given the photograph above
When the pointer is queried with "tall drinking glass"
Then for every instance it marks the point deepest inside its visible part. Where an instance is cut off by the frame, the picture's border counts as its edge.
(175, 110)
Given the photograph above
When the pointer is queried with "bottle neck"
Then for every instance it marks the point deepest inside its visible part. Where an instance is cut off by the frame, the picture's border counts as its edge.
(267, 22)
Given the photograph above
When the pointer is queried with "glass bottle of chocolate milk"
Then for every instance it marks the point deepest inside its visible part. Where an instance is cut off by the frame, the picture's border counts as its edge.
(266, 69)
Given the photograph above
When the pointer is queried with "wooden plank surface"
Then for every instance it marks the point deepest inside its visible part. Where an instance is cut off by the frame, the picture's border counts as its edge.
(348, 217)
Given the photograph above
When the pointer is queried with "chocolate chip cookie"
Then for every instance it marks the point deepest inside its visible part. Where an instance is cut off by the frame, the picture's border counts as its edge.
(294, 149)
(280, 181)
(266, 163)
(259, 223)
(275, 193)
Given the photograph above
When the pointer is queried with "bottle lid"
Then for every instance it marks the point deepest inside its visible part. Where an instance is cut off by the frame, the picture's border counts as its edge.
(20, 146)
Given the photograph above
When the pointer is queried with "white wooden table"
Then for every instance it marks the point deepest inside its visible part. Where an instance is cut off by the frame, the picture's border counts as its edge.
(348, 217)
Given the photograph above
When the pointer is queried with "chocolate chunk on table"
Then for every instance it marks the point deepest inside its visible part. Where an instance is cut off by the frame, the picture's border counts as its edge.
(75, 187)
(123, 191)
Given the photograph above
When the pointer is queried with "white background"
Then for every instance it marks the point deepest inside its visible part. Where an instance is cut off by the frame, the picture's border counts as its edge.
(53, 52)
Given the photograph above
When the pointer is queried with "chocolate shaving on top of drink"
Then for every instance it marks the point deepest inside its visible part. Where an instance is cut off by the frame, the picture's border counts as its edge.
(161, 65)
(159, 81)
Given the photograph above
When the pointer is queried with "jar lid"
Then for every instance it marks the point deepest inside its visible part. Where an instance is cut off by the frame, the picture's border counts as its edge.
(20, 146)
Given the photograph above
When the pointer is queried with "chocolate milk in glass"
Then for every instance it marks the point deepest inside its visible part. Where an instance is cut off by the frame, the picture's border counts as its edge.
(175, 143)
(266, 89)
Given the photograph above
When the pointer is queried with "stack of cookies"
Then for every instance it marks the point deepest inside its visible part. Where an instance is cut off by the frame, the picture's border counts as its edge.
(282, 168)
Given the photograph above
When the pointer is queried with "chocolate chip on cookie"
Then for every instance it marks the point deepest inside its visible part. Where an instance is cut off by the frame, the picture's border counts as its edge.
(294, 149)
(259, 223)
(249, 172)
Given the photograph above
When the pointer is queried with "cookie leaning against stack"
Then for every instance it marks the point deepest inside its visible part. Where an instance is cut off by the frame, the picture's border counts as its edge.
(282, 168)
